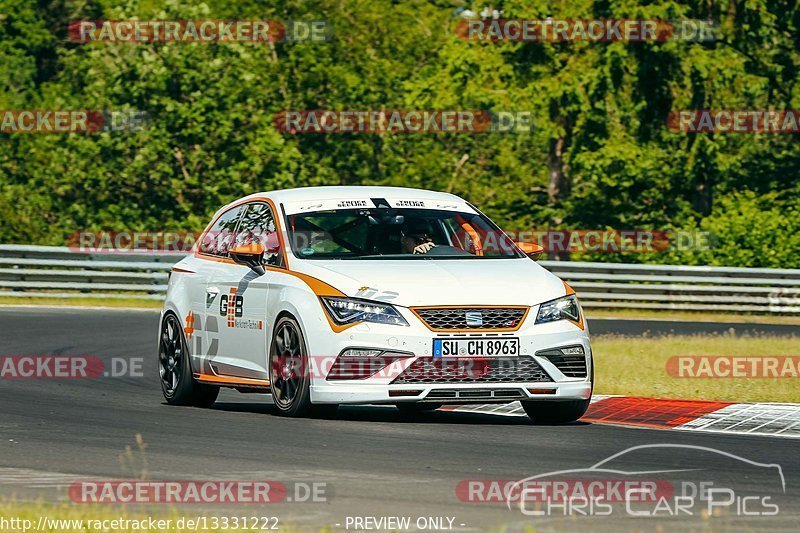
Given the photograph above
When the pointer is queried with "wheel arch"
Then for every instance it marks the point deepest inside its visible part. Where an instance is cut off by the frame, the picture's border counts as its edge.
(167, 311)
(285, 313)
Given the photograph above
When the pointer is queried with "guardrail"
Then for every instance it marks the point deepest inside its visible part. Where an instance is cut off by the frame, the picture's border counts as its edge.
(46, 271)
(690, 288)
(58, 272)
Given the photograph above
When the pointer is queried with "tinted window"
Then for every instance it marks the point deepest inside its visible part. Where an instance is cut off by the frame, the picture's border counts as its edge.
(258, 227)
(219, 238)
(396, 233)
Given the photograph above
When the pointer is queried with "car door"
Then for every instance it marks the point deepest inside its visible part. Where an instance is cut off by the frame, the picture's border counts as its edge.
(211, 259)
(241, 294)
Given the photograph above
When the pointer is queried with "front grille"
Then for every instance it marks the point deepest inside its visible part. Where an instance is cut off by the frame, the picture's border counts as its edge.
(572, 366)
(488, 395)
(430, 370)
(455, 318)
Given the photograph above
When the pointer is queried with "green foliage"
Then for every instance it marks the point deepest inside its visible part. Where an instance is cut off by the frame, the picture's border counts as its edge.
(211, 138)
(757, 231)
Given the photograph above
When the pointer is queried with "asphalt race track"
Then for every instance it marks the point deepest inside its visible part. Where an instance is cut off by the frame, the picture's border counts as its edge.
(374, 461)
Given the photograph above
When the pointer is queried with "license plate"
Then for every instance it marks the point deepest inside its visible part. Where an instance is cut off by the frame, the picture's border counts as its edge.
(476, 347)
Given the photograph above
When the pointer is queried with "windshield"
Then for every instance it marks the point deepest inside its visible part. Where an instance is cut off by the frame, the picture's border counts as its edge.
(392, 233)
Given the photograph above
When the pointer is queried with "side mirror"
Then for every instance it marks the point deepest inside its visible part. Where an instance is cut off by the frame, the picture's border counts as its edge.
(534, 251)
(249, 255)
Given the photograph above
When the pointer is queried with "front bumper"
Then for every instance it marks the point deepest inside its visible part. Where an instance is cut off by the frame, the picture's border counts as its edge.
(417, 340)
(365, 393)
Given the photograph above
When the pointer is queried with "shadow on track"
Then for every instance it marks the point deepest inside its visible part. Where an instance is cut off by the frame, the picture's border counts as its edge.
(388, 413)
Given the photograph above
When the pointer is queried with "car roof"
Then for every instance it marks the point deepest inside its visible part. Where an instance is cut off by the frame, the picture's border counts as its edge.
(336, 192)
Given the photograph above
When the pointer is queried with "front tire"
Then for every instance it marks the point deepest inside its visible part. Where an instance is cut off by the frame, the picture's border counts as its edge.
(290, 380)
(177, 383)
(555, 412)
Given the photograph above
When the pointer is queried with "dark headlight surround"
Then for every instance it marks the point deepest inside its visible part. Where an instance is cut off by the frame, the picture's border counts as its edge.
(564, 308)
(344, 311)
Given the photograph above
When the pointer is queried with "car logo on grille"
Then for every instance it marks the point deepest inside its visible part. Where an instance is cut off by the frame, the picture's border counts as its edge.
(474, 318)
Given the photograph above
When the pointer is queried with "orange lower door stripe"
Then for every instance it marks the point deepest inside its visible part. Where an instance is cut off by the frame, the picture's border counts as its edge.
(225, 380)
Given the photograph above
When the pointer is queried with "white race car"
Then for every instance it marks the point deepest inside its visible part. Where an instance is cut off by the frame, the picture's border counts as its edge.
(331, 295)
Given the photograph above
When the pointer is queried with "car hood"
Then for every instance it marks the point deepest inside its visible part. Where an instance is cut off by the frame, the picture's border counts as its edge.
(419, 282)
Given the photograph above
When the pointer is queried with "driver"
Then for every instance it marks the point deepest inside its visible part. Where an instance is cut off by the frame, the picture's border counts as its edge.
(415, 238)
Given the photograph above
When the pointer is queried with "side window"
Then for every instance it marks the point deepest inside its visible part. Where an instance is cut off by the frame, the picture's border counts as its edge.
(258, 227)
(218, 240)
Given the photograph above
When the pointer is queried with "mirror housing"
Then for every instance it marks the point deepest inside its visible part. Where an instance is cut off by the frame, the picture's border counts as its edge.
(534, 251)
(249, 255)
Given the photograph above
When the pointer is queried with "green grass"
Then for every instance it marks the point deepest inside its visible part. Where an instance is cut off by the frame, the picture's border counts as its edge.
(636, 366)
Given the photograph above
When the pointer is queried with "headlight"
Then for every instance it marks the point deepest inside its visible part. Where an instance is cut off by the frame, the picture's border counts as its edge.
(559, 309)
(351, 310)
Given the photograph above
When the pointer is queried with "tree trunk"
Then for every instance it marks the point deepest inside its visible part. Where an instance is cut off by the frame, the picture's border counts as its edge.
(557, 186)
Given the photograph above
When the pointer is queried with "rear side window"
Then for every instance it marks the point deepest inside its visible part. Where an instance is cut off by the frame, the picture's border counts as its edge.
(219, 239)
(258, 227)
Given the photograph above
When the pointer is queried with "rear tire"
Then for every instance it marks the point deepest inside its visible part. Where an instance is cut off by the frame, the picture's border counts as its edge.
(177, 382)
(555, 412)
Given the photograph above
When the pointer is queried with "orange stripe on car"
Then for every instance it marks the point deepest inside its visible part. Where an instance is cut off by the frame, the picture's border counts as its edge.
(232, 381)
